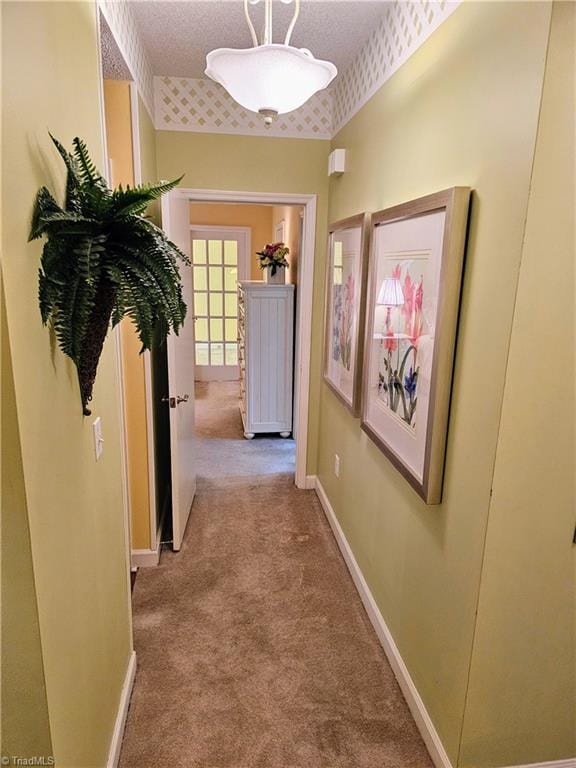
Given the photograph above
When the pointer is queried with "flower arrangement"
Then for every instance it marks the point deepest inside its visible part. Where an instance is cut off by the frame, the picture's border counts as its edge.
(272, 256)
(343, 321)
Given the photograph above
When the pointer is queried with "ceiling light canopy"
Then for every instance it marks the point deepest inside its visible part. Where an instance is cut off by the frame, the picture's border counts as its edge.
(272, 78)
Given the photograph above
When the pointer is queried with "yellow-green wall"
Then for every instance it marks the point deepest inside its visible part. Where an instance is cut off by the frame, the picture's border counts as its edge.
(256, 164)
(148, 167)
(257, 217)
(522, 695)
(463, 110)
(24, 725)
(50, 81)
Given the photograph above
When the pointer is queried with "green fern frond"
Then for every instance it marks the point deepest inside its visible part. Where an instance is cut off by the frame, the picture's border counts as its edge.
(135, 200)
(102, 261)
(69, 162)
(88, 171)
(139, 310)
(44, 204)
(62, 315)
(88, 252)
(64, 217)
(145, 226)
(73, 180)
(45, 296)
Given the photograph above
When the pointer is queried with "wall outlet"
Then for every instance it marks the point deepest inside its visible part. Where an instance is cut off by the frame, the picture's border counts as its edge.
(98, 439)
(337, 465)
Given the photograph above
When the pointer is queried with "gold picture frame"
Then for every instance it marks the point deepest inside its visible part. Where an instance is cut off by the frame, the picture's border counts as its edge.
(413, 297)
(344, 308)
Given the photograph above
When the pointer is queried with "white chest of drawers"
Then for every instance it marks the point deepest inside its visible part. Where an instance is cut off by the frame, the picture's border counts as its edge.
(265, 356)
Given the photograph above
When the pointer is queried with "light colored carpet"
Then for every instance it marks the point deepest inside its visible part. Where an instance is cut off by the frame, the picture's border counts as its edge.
(224, 455)
(254, 650)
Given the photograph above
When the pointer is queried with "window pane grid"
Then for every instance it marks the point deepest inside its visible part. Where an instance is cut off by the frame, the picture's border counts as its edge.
(215, 272)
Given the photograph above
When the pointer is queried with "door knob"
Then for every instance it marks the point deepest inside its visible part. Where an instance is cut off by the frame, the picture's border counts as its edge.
(174, 401)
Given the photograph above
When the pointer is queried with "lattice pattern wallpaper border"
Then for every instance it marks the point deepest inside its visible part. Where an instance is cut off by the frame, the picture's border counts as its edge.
(403, 29)
(125, 31)
(195, 104)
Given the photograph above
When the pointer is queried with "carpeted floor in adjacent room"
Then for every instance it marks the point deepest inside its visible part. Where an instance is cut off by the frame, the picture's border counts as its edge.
(253, 647)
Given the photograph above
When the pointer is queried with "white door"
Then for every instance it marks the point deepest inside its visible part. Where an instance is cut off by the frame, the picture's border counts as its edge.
(220, 259)
(176, 224)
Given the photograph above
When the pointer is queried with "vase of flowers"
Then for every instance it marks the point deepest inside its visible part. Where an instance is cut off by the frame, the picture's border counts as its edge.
(273, 262)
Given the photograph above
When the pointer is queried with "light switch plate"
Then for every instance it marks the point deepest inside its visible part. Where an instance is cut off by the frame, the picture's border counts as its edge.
(98, 439)
(337, 465)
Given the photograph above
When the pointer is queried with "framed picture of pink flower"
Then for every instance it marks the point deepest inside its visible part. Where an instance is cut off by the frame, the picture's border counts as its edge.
(346, 275)
(413, 295)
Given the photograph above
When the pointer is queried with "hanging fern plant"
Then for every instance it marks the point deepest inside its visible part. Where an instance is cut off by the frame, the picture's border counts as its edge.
(103, 260)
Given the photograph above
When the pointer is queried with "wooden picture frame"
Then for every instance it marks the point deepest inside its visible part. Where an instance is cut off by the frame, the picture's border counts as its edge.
(344, 310)
(413, 297)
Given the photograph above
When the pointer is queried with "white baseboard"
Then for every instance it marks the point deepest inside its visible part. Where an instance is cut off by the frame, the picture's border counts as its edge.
(310, 483)
(118, 733)
(147, 558)
(413, 699)
(569, 763)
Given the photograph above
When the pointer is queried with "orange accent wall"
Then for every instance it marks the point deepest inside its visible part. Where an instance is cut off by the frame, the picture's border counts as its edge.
(119, 141)
(257, 217)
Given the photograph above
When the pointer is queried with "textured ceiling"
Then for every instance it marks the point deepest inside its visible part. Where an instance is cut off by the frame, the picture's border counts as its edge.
(113, 65)
(178, 35)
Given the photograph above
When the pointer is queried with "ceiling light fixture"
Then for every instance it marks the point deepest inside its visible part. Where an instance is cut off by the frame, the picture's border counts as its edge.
(271, 78)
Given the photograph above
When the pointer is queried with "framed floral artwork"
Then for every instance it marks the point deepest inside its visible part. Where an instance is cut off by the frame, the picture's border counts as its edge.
(413, 296)
(344, 310)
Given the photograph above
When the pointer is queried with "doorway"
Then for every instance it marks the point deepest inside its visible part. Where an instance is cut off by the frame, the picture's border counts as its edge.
(303, 318)
(181, 365)
(244, 410)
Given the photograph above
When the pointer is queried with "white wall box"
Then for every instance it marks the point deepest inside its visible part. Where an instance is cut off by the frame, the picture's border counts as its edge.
(337, 162)
(265, 356)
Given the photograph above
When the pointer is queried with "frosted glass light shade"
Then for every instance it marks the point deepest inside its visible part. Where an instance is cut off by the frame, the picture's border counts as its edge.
(269, 78)
(390, 294)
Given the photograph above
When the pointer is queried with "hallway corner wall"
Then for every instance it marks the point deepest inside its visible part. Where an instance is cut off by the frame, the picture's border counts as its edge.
(521, 704)
(74, 505)
(463, 110)
(148, 161)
